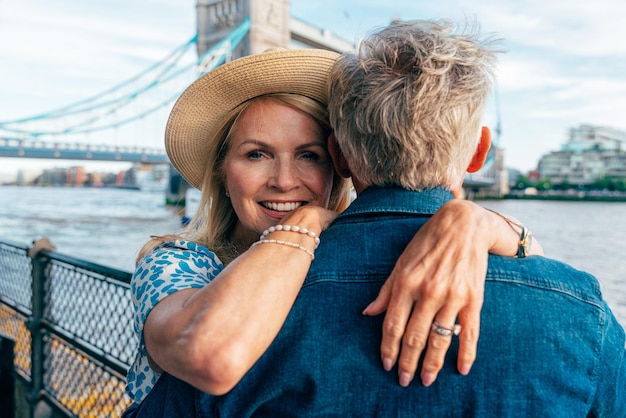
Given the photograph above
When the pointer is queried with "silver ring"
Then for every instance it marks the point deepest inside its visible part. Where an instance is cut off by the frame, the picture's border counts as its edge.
(446, 332)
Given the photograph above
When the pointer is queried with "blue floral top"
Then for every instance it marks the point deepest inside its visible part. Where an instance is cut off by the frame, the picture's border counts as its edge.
(169, 267)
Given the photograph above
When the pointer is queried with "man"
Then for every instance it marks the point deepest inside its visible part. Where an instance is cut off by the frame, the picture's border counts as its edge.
(406, 112)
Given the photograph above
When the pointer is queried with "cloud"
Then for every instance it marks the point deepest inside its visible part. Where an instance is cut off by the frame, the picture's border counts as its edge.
(68, 50)
(565, 62)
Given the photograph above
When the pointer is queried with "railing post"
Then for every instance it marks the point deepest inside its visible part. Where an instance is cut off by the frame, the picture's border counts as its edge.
(7, 378)
(40, 287)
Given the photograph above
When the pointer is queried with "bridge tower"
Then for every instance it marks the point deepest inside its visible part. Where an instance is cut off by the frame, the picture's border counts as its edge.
(216, 19)
(269, 24)
(500, 173)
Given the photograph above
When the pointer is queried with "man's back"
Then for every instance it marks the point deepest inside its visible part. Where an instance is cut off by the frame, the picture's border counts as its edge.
(549, 346)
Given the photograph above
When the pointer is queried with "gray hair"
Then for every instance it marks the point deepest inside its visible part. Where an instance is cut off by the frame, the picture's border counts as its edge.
(407, 107)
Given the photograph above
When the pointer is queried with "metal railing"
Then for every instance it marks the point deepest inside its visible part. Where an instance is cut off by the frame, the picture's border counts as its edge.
(71, 323)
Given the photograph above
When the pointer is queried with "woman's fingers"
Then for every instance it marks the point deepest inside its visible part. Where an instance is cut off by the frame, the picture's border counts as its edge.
(432, 332)
(469, 318)
(381, 302)
(442, 329)
(394, 325)
(413, 342)
(412, 309)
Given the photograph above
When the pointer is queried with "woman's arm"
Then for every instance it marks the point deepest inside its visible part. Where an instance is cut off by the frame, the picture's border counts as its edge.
(211, 337)
(444, 268)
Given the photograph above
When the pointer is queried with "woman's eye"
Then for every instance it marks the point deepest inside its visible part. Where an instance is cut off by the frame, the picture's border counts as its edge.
(255, 155)
(311, 156)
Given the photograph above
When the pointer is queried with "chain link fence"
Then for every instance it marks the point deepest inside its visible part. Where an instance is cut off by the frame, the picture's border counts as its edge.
(71, 322)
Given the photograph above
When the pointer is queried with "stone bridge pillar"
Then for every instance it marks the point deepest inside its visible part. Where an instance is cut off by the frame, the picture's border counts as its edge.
(269, 24)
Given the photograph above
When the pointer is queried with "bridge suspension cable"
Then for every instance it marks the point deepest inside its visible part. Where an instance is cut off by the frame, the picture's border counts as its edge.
(111, 108)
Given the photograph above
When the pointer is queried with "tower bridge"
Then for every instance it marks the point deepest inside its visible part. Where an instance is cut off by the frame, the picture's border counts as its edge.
(226, 30)
(18, 148)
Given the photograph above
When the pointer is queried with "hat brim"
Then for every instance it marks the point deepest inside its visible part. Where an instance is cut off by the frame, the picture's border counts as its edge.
(203, 106)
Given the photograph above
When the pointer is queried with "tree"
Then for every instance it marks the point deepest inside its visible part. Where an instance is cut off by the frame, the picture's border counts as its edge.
(522, 182)
(544, 184)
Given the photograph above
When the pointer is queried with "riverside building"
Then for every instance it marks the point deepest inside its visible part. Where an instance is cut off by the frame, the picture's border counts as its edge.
(590, 153)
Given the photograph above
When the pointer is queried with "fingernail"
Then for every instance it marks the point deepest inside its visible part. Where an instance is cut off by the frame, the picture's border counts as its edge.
(465, 369)
(387, 364)
(366, 309)
(428, 379)
(405, 379)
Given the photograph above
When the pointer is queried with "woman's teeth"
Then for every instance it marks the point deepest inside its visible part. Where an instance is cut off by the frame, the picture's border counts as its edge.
(282, 207)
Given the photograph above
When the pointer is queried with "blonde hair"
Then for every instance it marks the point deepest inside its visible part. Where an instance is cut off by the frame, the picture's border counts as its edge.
(213, 223)
(407, 107)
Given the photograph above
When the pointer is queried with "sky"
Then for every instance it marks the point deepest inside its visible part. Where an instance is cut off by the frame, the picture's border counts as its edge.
(564, 62)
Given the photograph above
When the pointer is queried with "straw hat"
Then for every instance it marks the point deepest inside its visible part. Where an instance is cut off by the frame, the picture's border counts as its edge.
(202, 107)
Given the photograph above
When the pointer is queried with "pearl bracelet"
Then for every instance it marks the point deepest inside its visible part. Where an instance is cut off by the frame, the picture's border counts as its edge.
(287, 243)
(290, 228)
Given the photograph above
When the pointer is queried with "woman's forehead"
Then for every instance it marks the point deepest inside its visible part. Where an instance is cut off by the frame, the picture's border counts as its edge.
(272, 121)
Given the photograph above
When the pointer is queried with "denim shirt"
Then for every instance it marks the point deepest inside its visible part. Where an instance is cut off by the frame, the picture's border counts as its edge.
(549, 345)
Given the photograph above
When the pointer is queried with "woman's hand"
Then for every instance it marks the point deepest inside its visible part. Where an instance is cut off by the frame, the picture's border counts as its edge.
(440, 275)
(304, 215)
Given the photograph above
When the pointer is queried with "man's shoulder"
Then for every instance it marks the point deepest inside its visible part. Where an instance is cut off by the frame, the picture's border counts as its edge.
(546, 274)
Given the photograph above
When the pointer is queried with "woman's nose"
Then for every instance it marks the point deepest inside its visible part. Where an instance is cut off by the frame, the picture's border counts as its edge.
(284, 175)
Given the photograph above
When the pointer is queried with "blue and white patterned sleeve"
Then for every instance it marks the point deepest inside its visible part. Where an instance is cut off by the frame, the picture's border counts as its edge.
(168, 268)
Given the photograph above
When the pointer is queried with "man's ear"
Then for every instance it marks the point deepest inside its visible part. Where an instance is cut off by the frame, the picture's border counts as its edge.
(478, 160)
(339, 161)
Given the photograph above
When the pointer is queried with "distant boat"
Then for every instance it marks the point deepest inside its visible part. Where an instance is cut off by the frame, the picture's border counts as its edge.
(128, 186)
(153, 186)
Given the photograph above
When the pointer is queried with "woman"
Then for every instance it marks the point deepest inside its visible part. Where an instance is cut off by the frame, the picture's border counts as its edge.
(252, 136)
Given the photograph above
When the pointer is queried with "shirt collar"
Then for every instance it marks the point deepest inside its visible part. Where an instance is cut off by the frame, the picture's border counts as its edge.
(394, 199)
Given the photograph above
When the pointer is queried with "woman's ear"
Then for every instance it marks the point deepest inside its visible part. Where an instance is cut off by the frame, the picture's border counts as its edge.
(339, 161)
(480, 155)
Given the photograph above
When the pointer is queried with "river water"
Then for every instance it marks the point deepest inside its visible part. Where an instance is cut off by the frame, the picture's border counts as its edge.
(108, 226)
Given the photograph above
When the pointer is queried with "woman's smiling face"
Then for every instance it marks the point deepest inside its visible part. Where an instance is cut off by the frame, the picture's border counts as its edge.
(276, 162)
